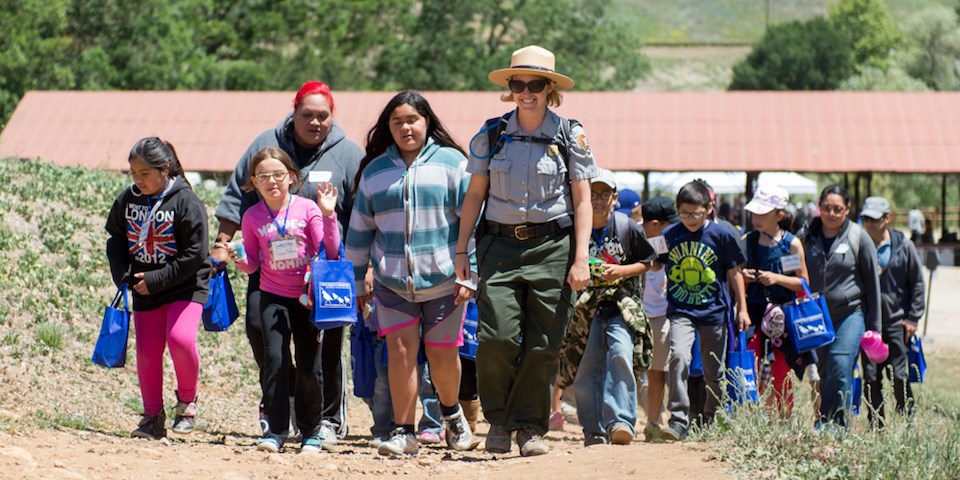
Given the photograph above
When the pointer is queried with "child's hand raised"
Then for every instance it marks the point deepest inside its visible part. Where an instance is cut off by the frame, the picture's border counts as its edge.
(327, 198)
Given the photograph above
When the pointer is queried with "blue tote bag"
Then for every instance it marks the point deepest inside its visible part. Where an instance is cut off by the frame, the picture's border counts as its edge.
(334, 293)
(220, 311)
(741, 372)
(916, 363)
(807, 321)
(362, 360)
(111, 348)
(470, 340)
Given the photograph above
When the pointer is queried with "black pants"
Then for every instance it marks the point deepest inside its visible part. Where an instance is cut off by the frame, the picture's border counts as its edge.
(334, 406)
(468, 379)
(285, 319)
(895, 368)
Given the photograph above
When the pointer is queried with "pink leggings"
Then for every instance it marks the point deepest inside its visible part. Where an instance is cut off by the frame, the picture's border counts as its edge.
(174, 324)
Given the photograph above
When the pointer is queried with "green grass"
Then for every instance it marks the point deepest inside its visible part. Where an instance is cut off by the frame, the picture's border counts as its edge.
(925, 446)
(51, 335)
(730, 21)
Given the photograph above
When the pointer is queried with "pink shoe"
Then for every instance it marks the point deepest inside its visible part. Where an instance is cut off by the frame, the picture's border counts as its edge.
(556, 421)
(428, 437)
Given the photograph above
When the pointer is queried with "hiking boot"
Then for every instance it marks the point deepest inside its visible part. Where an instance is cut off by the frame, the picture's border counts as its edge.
(312, 443)
(530, 443)
(400, 443)
(429, 437)
(458, 433)
(151, 426)
(471, 410)
(185, 417)
(651, 433)
(620, 434)
(498, 440)
(593, 438)
(268, 444)
(675, 432)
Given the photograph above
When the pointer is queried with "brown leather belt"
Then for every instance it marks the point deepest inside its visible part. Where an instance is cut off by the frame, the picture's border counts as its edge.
(524, 231)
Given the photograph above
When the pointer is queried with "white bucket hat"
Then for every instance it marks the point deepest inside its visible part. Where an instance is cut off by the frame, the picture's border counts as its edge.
(532, 60)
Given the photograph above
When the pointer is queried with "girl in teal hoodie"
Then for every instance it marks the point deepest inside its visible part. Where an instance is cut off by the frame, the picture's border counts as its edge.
(405, 222)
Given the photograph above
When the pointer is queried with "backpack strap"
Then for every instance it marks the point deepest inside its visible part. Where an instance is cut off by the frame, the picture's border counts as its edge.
(496, 129)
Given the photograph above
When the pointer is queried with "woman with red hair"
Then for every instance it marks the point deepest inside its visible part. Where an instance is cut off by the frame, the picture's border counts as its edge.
(321, 151)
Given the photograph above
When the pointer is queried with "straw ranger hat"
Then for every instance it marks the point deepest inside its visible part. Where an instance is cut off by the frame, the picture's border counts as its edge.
(531, 60)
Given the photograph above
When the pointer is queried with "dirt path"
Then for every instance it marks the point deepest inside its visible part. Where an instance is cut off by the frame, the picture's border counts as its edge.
(81, 454)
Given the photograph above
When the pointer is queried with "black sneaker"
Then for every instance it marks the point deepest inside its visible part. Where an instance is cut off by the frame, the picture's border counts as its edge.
(674, 433)
(152, 427)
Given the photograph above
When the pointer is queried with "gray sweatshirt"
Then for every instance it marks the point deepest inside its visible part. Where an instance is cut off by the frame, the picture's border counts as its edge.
(901, 283)
(337, 160)
(847, 275)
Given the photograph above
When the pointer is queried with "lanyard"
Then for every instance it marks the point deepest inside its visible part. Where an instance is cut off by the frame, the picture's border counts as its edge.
(603, 234)
(286, 214)
(777, 243)
(148, 222)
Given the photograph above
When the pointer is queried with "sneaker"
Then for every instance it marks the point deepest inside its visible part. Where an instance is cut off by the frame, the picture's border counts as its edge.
(620, 434)
(400, 443)
(498, 440)
(674, 433)
(459, 436)
(264, 426)
(151, 427)
(652, 433)
(268, 444)
(294, 429)
(530, 443)
(312, 443)
(329, 435)
(377, 440)
(429, 437)
(186, 417)
(556, 422)
(593, 438)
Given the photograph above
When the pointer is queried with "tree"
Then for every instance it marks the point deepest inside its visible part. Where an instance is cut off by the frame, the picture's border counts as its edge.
(810, 55)
(453, 45)
(871, 29)
(891, 79)
(33, 50)
(935, 39)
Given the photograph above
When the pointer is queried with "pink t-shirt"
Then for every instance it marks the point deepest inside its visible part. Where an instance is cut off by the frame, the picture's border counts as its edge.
(282, 273)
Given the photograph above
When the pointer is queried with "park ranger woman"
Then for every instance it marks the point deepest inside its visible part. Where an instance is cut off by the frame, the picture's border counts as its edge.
(533, 170)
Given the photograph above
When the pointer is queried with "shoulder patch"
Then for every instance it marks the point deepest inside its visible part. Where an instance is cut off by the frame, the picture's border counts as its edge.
(582, 141)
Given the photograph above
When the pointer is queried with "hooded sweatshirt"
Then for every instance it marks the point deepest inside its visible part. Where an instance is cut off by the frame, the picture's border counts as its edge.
(336, 161)
(901, 283)
(847, 275)
(174, 253)
(407, 220)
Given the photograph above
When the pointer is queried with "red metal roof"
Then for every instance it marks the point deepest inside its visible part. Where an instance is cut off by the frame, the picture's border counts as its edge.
(746, 131)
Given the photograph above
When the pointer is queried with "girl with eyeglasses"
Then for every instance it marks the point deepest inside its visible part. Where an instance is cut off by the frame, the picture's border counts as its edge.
(841, 260)
(281, 234)
(532, 245)
(158, 245)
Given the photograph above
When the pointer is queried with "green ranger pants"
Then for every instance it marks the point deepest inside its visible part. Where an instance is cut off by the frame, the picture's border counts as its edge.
(524, 305)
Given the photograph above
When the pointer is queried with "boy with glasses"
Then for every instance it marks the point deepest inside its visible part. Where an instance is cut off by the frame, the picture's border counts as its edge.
(702, 263)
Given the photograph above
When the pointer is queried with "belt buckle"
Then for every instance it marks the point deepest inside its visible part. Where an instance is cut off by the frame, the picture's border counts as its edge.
(520, 236)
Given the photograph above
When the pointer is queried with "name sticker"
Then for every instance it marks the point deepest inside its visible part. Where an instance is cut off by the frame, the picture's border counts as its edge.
(284, 248)
(319, 176)
(843, 248)
(659, 244)
(790, 263)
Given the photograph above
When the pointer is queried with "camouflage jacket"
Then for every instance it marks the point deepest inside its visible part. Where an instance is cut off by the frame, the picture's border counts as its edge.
(575, 342)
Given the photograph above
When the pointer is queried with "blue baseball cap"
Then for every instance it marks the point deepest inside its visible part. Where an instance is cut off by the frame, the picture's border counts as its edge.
(627, 200)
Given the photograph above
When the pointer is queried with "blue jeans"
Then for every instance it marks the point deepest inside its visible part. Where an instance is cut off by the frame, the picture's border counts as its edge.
(836, 368)
(605, 387)
(381, 404)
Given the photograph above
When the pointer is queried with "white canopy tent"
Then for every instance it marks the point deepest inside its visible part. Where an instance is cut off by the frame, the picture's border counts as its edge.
(723, 183)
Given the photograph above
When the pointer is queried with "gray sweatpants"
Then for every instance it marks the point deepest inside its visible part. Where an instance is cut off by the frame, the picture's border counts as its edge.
(713, 349)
